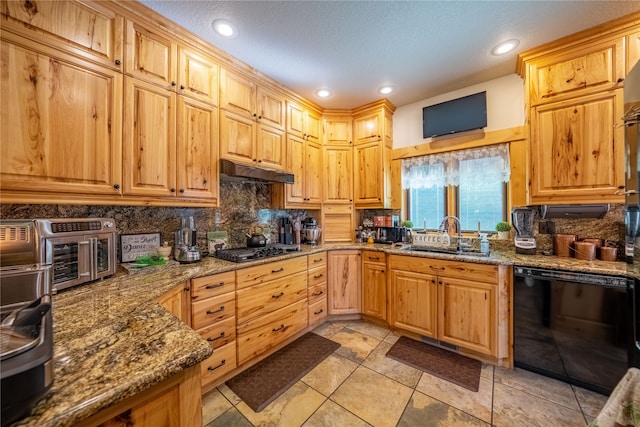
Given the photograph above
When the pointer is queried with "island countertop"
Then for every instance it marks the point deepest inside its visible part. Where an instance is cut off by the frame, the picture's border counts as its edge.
(112, 339)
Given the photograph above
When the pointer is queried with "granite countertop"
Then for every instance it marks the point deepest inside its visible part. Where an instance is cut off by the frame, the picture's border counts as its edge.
(113, 340)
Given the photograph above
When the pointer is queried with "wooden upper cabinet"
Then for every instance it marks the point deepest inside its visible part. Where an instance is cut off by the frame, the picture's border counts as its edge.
(270, 146)
(197, 153)
(303, 122)
(149, 144)
(338, 130)
(368, 128)
(92, 30)
(304, 161)
(237, 137)
(237, 93)
(198, 76)
(271, 109)
(60, 124)
(579, 71)
(369, 174)
(150, 55)
(338, 176)
(633, 50)
(577, 152)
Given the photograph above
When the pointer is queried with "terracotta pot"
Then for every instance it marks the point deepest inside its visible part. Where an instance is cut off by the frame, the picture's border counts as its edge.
(585, 250)
(608, 253)
(563, 244)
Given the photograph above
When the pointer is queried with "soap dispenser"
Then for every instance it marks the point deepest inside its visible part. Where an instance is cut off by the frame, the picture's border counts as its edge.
(484, 244)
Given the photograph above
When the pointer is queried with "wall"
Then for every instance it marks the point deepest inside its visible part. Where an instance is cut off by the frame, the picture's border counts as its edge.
(505, 109)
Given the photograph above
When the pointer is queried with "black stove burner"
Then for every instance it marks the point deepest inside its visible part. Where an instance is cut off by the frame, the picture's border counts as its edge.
(250, 254)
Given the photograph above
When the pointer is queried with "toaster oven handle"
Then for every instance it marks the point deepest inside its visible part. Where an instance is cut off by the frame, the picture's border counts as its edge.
(83, 254)
(93, 251)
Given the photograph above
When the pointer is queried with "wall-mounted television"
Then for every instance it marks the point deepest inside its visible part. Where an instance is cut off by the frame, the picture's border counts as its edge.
(457, 115)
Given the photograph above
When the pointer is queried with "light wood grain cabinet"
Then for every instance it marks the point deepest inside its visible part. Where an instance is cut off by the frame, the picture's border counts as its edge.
(338, 223)
(338, 129)
(577, 150)
(414, 301)
(345, 290)
(178, 303)
(317, 288)
(60, 126)
(374, 284)
(633, 50)
(338, 175)
(304, 123)
(150, 55)
(304, 161)
(197, 75)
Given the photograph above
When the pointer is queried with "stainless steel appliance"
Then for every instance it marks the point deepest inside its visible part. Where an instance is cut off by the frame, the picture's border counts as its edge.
(389, 234)
(310, 231)
(251, 254)
(26, 323)
(79, 250)
(186, 250)
(632, 149)
(575, 327)
(522, 220)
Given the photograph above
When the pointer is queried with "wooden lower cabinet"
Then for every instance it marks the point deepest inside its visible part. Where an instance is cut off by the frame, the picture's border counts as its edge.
(317, 288)
(176, 301)
(345, 292)
(414, 302)
(374, 284)
(220, 363)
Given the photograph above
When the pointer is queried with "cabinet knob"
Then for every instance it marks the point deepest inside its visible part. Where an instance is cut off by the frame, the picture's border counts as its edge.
(173, 83)
(117, 62)
(255, 160)
(621, 79)
(181, 87)
(255, 115)
(259, 161)
(173, 190)
(182, 190)
(116, 186)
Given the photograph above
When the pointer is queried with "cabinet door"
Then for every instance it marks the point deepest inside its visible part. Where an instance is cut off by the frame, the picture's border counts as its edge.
(633, 51)
(60, 122)
(577, 153)
(271, 109)
(338, 130)
(467, 314)
(177, 302)
(368, 174)
(368, 128)
(197, 154)
(313, 173)
(295, 120)
(313, 126)
(150, 55)
(343, 270)
(237, 137)
(414, 302)
(237, 93)
(198, 76)
(90, 27)
(270, 147)
(337, 223)
(338, 175)
(149, 146)
(295, 165)
(374, 290)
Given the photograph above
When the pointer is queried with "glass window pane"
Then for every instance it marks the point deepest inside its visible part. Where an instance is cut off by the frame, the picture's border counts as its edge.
(426, 204)
(480, 200)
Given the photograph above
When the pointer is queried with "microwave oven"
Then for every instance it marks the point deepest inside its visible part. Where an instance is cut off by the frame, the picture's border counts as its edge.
(79, 250)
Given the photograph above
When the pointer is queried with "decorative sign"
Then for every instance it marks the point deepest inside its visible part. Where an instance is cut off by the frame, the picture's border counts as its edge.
(133, 246)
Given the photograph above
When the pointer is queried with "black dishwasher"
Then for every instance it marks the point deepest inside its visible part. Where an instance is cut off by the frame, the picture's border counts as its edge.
(575, 327)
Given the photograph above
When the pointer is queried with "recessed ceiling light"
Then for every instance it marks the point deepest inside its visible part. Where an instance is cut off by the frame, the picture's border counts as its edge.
(386, 90)
(225, 28)
(505, 47)
(323, 93)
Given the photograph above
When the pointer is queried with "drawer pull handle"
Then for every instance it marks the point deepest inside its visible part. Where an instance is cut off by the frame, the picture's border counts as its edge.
(278, 329)
(213, 368)
(315, 294)
(318, 260)
(317, 276)
(277, 296)
(374, 258)
(318, 312)
(281, 269)
(436, 268)
(216, 311)
(216, 338)
(217, 285)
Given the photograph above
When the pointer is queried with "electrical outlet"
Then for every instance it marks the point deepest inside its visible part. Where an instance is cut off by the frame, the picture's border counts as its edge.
(546, 227)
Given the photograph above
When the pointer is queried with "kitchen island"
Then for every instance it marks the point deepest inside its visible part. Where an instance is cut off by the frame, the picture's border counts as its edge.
(113, 340)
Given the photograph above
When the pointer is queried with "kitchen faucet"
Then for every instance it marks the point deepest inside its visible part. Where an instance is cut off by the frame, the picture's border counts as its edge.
(445, 222)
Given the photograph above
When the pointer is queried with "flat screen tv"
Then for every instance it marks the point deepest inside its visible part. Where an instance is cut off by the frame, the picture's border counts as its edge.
(457, 115)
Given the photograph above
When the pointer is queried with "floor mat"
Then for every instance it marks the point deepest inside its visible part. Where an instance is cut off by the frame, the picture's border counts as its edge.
(265, 381)
(445, 364)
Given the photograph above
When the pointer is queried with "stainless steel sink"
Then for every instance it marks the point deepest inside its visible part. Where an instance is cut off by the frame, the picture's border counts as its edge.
(449, 251)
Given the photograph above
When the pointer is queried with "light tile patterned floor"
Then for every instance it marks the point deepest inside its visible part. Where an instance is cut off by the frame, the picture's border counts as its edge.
(358, 386)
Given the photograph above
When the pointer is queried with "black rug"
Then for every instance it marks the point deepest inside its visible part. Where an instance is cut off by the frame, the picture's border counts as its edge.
(262, 383)
(445, 364)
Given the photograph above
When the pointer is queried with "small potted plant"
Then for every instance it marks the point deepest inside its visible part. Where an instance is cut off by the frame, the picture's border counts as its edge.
(407, 224)
(503, 228)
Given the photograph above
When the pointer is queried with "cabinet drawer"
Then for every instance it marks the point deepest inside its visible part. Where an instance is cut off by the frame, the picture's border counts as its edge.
(256, 337)
(206, 312)
(220, 333)
(374, 256)
(210, 286)
(222, 361)
(317, 292)
(465, 270)
(318, 260)
(261, 299)
(264, 273)
(317, 311)
(316, 276)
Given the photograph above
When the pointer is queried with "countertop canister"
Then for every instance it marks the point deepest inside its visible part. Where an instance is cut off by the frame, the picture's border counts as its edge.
(585, 250)
(563, 244)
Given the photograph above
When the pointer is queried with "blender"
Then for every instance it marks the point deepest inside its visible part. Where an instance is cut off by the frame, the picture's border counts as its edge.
(522, 220)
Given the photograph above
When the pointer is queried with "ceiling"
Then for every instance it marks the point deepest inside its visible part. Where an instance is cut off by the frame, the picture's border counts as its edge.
(423, 48)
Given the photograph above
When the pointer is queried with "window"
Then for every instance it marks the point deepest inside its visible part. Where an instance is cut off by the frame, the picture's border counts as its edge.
(477, 179)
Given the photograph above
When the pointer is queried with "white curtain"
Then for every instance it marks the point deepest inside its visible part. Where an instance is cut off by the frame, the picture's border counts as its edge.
(443, 169)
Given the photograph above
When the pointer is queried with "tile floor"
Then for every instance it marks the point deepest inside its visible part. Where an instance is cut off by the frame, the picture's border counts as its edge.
(358, 386)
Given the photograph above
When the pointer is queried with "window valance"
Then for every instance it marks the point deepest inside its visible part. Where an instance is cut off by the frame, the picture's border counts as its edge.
(445, 168)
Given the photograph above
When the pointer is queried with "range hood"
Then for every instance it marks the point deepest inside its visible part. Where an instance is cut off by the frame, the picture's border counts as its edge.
(573, 211)
(238, 172)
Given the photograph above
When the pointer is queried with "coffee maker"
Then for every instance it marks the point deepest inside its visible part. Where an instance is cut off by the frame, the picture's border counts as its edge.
(522, 220)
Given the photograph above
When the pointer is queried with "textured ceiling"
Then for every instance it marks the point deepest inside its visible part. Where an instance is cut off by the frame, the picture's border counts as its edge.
(423, 48)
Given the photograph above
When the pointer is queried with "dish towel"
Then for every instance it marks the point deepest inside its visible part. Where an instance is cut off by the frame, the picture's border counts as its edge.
(623, 406)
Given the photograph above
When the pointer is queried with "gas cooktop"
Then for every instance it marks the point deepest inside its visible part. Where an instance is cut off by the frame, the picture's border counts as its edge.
(251, 254)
